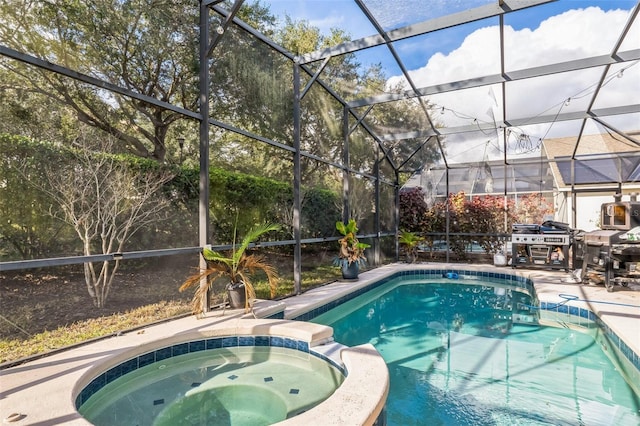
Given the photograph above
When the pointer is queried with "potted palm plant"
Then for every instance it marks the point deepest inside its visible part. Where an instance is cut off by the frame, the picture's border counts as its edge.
(237, 268)
(351, 254)
(410, 242)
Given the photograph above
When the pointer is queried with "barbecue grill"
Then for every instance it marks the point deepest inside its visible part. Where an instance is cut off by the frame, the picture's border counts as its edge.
(545, 245)
(611, 255)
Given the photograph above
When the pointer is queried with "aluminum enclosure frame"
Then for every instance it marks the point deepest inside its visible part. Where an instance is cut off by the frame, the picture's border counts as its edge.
(300, 65)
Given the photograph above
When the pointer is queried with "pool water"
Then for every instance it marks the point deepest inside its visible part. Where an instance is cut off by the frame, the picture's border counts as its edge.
(229, 386)
(469, 354)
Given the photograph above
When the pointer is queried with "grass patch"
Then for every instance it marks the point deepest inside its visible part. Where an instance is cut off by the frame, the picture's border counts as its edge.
(81, 331)
(78, 332)
(310, 279)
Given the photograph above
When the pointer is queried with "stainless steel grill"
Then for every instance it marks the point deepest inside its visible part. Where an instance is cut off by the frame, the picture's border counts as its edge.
(611, 255)
(545, 245)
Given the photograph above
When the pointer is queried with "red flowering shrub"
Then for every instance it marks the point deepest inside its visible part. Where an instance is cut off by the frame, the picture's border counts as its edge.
(478, 220)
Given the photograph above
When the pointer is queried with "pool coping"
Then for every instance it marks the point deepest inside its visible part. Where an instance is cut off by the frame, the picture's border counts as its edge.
(43, 391)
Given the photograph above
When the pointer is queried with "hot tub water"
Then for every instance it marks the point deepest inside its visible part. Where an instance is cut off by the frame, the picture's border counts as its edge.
(227, 386)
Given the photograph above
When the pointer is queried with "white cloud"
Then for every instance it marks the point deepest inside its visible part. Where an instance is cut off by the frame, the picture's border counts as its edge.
(574, 34)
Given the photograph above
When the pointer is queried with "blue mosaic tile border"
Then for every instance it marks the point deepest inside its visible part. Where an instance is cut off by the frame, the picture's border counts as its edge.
(277, 315)
(514, 280)
(633, 357)
(195, 346)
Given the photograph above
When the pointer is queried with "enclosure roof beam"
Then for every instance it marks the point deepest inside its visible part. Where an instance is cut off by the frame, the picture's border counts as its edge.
(37, 62)
(574, 65)
(211, 2)
(578, 115)
(221, 30)
(425, 27)
(307, 70)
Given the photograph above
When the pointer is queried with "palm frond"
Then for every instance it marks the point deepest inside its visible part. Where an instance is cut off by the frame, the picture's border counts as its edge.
(255, 263)
(252, 235)
(209, 275)
(214, 256)
(237, 267)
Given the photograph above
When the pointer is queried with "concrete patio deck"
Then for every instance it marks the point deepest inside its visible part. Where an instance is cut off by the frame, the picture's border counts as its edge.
(42, 391)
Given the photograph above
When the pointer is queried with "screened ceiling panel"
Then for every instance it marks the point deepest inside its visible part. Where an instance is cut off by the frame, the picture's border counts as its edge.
(477, 107)
(625, 121)
(367, 60)
(445, 83)
(619, 79)
(325, 15)
(429, 57)
(472, 147)
(485, 178)
(608, 144)
(391, 15)
(629, 43)
(573, 93)
(563, 36)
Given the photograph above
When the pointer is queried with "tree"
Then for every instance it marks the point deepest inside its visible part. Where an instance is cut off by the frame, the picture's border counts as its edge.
(149, 47)
(106, 201)
(27, 113)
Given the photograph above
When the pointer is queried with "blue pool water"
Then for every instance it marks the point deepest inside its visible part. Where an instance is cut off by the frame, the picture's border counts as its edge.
(471, 353)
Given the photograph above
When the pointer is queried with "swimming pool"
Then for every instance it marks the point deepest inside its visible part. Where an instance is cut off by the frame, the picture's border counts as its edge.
(212, 381)
(469, 351)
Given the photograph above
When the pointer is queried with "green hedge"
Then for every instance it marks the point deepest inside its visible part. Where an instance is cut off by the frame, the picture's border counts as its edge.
(28, 231)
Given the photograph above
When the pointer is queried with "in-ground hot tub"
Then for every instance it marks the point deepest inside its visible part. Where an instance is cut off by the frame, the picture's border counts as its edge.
(49, 390)
(236, 380)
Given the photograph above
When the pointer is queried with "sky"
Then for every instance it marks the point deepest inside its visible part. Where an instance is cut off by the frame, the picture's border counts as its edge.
(555, 32)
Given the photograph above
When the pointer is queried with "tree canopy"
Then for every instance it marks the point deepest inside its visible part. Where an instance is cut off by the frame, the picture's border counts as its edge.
(150, 47)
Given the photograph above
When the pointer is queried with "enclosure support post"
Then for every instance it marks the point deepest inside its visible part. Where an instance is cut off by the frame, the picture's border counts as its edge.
(447, 217)
(396, 214)
(376, 241)
(574, 197)
(505, 196)
(297, 254)
(203, 214)
(346, 212)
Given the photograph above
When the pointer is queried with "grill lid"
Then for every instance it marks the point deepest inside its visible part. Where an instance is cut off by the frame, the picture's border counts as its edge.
(602, 237)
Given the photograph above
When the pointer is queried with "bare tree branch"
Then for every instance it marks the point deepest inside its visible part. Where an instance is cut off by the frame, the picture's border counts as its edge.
(106, 203)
